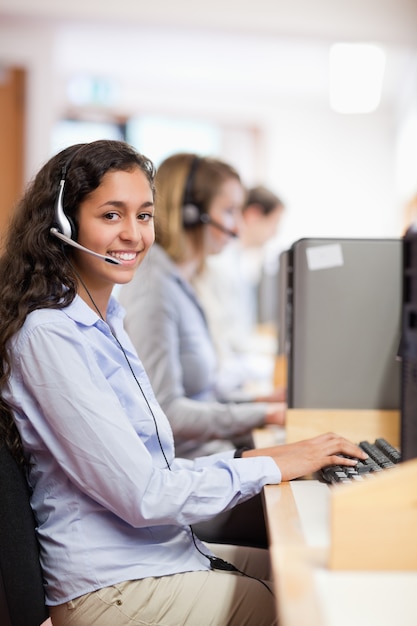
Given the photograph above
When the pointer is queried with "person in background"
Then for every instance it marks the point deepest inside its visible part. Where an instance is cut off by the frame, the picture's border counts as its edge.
(198, 209)
(114, 506)
(228, 289)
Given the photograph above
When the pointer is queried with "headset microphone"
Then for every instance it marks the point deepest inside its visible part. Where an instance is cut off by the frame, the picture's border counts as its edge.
(206, 219)
(54, 231)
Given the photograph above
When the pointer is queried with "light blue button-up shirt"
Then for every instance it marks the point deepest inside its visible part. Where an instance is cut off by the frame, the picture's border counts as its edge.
(107, 506)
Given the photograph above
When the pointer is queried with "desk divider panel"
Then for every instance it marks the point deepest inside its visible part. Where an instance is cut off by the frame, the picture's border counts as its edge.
(373, 524)
(355, 425)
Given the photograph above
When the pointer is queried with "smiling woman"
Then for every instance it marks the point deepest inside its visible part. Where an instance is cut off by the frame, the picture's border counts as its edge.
(114, 506)
(116, 220)
(43, 272)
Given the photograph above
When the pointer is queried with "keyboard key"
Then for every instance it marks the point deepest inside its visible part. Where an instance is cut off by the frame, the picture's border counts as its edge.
(376, 454)
(364, 468)
(392, 453)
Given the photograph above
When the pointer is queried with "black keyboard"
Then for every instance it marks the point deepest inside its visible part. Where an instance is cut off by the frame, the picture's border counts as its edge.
(381, 455)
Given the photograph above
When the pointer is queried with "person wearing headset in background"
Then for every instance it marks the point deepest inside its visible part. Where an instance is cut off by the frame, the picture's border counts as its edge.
(199, 203)
(228, 289)
(114, 506)
(198, 209)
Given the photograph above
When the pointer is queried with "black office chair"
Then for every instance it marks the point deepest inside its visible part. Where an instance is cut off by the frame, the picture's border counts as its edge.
(22, 600)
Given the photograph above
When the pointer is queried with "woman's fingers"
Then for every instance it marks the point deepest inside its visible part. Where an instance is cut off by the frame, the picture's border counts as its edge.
(310, 455)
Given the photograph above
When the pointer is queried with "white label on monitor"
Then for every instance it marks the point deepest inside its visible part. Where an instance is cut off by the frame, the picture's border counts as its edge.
(324, 257)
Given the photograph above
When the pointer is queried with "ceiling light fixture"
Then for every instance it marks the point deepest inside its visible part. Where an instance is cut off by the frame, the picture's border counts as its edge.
(356, 77)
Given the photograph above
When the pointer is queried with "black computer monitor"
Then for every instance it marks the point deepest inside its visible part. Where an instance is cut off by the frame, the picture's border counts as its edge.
(408, 348)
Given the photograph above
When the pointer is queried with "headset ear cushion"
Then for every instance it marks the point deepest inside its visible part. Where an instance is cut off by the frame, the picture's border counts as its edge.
(190, 210)
(67, 227)
(74, 231)
(191, 214)
(65, 224)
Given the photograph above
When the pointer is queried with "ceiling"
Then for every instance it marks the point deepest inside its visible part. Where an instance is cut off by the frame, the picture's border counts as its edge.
(260, 64)
(279, 47)
(392, 22)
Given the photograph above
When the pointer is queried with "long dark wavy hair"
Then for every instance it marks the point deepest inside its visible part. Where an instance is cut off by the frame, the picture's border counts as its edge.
(34, 272)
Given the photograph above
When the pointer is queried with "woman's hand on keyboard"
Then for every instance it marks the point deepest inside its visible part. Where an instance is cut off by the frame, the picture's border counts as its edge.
(310, 455)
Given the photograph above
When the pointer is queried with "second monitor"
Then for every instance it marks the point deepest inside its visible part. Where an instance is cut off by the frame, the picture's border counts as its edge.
(343, 323)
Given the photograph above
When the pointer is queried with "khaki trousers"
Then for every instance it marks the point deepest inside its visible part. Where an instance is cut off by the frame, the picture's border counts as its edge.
(207, 598)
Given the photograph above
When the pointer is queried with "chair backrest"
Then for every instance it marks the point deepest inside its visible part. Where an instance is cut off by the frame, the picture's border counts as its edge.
(21, 588)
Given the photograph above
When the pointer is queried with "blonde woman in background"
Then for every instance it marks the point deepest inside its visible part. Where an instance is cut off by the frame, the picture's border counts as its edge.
(198, 208)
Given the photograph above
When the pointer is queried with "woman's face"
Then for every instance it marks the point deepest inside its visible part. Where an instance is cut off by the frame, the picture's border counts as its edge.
(115, 220)
(226, 211)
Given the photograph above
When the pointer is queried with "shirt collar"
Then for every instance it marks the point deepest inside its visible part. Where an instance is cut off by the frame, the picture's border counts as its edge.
(80, 312)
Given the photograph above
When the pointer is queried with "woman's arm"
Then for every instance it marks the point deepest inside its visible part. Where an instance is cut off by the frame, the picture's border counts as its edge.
(170, 335)
(75, 417)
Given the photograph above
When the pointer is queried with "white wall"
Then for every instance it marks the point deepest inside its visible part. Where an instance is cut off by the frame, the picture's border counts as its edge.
(337, 174)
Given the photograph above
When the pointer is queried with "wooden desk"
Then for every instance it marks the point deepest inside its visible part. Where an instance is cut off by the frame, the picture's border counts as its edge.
(308, 592)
